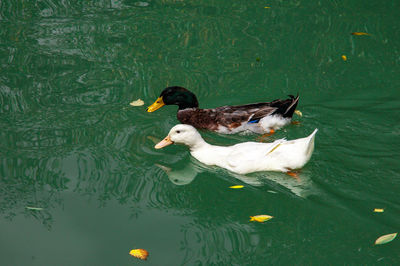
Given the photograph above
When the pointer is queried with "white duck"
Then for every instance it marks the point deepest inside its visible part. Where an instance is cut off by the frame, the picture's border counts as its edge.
(247, 157)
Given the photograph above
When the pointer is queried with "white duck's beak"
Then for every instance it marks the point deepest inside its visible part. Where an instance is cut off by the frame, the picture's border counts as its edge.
(165, 142)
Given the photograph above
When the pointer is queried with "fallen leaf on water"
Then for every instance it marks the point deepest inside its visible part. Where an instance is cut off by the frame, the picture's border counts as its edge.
(237, 186)
(344, 58)
(139, 253)
(359, 33)
(295, 122)
(298, 112)
(385, 239)
(267, 7)
(379, 210)
(138, 102)
(260, 218)
(34, 208)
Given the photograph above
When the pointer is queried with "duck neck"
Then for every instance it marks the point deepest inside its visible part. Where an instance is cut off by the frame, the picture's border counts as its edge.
(198, 144)
(190, 102)
(186, 99)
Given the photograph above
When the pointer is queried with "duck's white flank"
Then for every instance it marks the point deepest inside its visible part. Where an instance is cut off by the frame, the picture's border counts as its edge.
(243, 158)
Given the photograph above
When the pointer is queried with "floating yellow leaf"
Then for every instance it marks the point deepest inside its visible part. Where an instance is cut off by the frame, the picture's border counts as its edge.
(260, 218)
(138, 102)
(359, 33)
(237, 186)
(267, 7)
(385, 239)
(139, 253)
(344, 58)
(379, 210)
(298, 112)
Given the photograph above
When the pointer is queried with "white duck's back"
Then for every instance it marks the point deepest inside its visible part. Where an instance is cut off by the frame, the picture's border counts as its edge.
(248, 157)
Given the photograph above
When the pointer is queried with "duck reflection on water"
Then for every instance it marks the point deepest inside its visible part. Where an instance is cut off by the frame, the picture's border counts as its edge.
(275, 182)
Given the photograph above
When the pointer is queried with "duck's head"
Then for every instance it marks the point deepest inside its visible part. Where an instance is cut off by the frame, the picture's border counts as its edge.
(183, 134)
(175, 96)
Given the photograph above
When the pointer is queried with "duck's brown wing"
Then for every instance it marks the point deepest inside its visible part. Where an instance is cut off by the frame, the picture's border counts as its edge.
(234, 116)
(229, 115)
(226, 116)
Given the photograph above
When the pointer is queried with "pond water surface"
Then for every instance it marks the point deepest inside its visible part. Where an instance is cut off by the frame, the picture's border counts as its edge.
(74, 150)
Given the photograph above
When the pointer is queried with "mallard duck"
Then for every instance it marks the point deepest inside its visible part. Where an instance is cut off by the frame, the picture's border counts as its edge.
(259, 118)
(247, 157)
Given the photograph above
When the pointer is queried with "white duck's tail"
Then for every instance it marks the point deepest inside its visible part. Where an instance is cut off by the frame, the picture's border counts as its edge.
(310, 145)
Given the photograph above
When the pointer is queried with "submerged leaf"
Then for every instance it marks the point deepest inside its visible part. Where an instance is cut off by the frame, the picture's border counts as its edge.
(385, 239)
(379, 210)
(237, 186)
(260, 218)
(34, 208)
(359, 33)
(139, 253)
(154, 139)
(138, 102)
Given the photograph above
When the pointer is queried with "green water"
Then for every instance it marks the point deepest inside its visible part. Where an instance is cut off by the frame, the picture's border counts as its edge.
(71, 144)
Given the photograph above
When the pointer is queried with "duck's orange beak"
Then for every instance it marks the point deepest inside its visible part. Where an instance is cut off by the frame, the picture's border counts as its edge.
(156, 105)
(165, 142)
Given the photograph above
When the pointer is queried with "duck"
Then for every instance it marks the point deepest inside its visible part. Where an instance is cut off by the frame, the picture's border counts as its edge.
(260, 118)
(247, 157)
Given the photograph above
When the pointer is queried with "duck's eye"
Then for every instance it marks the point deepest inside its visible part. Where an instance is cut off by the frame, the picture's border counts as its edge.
(178, 131)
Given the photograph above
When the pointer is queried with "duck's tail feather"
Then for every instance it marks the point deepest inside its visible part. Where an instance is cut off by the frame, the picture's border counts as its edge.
(311, 140)
(287, 107)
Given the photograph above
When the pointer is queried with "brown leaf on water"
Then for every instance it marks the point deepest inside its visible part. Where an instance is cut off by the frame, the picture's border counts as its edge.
(359, 33)
(139, 253)
(138, 102)
(385, 239)
(260, 218)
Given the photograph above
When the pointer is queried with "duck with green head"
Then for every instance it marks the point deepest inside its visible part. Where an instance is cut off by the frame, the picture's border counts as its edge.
(265, 117)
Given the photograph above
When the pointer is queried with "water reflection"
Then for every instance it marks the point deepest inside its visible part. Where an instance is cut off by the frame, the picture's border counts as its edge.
(185, 175)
